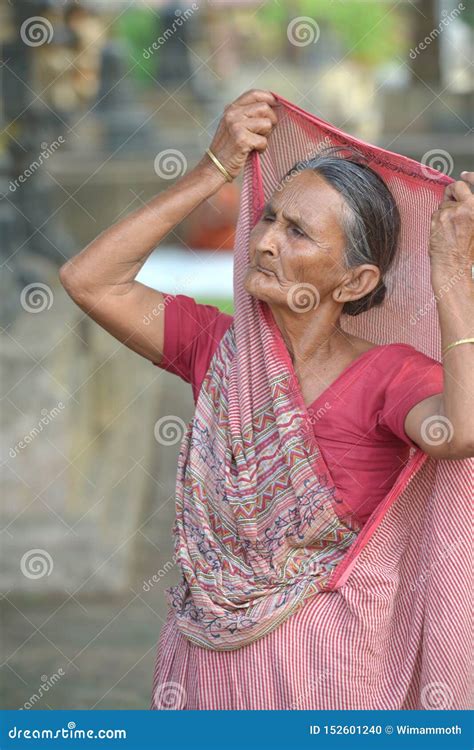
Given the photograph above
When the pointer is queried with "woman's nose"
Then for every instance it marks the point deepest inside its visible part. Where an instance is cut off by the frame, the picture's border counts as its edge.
(268, 241)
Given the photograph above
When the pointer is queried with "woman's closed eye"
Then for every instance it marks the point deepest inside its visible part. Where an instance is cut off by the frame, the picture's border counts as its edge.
(292, 227)
(297, 231)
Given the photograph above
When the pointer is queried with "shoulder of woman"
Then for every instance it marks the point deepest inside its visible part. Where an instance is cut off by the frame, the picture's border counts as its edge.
(402, 360)
(397, 352)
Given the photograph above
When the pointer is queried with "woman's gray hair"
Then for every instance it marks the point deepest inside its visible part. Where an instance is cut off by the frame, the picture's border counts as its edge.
(372, 223)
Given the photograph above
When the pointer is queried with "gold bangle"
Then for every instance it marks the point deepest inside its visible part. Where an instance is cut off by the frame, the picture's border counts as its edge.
(219, 165)
(460, 341)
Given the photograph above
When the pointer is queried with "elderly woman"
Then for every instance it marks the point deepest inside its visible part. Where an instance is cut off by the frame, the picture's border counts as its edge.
(329, 232)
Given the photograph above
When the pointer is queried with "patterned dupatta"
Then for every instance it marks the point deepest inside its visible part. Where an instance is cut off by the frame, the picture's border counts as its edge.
(260, 529)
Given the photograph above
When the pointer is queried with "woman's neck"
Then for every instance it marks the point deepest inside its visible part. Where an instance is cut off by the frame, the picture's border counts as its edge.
(315, 337)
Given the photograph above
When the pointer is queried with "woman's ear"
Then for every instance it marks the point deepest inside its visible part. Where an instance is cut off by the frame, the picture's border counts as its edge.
(362, 281)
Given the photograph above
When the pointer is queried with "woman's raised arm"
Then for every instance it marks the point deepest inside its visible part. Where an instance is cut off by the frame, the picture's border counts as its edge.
(101, 278)
(443, 425)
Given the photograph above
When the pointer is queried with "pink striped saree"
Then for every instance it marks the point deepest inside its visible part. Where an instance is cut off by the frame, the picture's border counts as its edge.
(284, 600)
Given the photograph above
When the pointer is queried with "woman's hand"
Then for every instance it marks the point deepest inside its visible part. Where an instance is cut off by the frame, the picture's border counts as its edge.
(452, 228)
(245, 126)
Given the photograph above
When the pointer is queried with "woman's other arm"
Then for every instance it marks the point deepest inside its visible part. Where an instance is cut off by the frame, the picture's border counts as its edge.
(443, 425)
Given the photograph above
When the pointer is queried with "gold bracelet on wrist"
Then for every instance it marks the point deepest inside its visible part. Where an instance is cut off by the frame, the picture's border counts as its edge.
(218, 164)
(460, 341)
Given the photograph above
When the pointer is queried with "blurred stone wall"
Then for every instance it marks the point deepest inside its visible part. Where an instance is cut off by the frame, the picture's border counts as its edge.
(79, 452)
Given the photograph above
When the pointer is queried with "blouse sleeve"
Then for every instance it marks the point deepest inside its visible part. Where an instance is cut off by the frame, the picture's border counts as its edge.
(417, 377)
(192, 332)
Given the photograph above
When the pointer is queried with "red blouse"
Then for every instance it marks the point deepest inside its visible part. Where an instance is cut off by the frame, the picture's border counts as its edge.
(358, 420)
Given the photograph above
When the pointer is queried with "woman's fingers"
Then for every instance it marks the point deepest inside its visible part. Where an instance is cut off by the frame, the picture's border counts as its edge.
(258, 142)
(262, 125)
(257, 109)
(236, 114)
(452, 224)
(255, 95)
(243, 128)
(468, 176)
(458, 190)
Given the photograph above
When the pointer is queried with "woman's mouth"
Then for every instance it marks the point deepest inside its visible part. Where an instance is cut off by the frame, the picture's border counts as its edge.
(265, 270)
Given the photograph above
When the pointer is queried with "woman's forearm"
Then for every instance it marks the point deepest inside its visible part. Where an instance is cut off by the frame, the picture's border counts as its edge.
(454, 292)
(116, 256)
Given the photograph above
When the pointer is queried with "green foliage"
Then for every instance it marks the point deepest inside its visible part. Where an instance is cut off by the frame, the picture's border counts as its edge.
(371, 31)
(467, 16)
(139, 28)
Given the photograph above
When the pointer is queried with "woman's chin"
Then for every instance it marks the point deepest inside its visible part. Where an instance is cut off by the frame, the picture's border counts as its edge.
(260, 285)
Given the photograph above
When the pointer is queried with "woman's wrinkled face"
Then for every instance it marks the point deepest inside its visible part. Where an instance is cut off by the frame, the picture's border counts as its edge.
(298, 243)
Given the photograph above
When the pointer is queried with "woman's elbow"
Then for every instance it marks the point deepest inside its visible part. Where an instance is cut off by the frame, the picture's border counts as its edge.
(72, 280)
